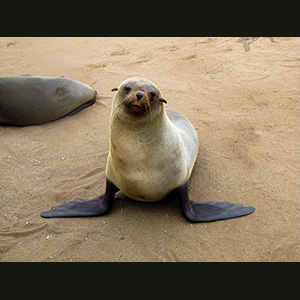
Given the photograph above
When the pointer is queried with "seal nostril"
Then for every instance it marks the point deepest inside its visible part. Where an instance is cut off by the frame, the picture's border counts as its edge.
(139, 95)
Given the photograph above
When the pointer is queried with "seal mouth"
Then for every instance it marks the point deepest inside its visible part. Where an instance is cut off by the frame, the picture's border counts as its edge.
(136, 109)
(136, 105)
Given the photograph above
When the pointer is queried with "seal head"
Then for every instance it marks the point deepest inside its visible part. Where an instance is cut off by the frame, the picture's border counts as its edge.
(137, 97)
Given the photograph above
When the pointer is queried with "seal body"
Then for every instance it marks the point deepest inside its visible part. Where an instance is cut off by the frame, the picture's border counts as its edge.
(152, 154)
(149, 159)
(29, 100)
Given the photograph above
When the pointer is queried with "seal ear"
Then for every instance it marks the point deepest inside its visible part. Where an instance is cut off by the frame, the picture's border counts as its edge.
(163, 100)
(114, 89)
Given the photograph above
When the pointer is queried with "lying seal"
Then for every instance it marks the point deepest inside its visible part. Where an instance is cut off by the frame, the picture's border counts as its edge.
(152, 154)
(29, 100)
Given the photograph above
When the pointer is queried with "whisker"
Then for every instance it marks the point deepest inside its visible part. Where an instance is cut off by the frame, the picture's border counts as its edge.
(117, 109)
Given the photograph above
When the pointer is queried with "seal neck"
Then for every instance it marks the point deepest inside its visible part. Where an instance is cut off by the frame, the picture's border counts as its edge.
(141, 129)
(120, 117)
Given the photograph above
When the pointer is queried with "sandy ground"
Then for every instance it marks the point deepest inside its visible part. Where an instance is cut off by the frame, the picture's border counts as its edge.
(244, 106)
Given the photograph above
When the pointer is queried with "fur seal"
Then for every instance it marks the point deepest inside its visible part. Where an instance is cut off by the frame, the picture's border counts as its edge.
(30, 100)
(152, 154)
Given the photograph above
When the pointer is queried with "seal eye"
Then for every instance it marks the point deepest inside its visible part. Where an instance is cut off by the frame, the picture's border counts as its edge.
(127, 89)
(152, 95)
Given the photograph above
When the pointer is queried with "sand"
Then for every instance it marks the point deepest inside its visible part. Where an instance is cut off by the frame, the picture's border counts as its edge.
(244, 105)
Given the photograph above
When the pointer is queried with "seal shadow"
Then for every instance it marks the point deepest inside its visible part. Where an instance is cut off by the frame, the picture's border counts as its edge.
(169, 205)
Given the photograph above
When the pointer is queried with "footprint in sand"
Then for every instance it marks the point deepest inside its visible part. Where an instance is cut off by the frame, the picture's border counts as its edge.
(121, 51)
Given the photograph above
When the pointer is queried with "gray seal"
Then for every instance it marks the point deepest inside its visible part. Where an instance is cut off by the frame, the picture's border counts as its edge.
(30, 100)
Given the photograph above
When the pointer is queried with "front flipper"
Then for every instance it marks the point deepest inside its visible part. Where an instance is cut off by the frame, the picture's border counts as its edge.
(77, 208)
(211, 210)
(84, 208)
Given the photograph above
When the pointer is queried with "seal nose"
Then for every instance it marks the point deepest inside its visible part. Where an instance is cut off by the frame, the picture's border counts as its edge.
(139, 95)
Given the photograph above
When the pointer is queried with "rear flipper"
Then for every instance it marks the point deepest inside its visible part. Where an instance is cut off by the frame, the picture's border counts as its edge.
(211, 210)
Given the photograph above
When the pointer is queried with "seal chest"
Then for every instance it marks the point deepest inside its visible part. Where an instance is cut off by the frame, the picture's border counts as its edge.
(148, 157)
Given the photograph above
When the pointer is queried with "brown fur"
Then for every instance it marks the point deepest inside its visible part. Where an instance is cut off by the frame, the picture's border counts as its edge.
(135, 106)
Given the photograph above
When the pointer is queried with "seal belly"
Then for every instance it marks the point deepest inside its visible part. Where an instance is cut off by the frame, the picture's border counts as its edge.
(150, 182)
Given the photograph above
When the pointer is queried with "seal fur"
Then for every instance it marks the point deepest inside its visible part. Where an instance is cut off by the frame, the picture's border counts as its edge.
(29, 100)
